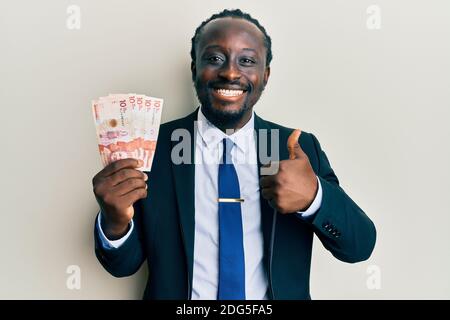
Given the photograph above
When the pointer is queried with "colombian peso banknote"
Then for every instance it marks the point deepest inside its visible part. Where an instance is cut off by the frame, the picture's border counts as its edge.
(127, 126)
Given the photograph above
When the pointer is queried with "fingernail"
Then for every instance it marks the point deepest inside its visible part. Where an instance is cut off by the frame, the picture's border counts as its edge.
(145, 177)
(140, 163)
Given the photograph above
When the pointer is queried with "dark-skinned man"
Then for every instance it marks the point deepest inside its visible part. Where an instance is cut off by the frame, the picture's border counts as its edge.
(214, 227)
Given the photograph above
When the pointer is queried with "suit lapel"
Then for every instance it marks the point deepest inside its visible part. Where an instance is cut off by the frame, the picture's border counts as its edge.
(263, 131)
(184, 190)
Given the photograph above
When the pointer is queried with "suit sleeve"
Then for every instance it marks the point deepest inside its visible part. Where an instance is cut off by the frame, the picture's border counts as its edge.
(126, 259)
(340, 224)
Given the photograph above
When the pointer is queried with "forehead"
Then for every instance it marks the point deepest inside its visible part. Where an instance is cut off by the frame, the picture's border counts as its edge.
(229, 31)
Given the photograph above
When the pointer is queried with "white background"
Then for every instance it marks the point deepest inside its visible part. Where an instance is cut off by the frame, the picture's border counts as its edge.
(378, 101)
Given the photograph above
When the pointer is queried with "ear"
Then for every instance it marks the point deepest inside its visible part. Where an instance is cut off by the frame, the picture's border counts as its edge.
(193, 71)
(266, 75)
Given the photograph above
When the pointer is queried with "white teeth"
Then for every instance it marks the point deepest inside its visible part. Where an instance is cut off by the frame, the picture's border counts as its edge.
(229, 93)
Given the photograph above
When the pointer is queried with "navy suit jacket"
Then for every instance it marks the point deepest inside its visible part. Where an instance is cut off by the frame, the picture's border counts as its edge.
(164, 224)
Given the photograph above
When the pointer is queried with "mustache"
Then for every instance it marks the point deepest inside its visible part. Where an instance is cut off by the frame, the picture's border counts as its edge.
(236, 84)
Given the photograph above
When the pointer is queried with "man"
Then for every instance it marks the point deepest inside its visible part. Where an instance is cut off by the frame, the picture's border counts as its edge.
(222, 230)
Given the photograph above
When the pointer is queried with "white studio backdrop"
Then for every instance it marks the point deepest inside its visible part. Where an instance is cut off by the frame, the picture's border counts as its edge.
(370, 79)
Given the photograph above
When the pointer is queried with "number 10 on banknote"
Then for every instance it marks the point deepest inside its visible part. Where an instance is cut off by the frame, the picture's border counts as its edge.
(127, 126)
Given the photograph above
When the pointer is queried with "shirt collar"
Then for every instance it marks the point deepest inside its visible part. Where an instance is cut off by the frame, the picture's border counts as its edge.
(212, 136)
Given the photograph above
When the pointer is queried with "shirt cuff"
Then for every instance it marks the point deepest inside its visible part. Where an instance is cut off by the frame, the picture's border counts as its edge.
(111, 244)
(315, 205)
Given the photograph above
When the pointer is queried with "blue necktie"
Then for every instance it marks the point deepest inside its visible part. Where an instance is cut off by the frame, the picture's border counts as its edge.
(231, 246)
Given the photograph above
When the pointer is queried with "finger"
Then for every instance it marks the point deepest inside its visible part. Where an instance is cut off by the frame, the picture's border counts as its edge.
(126, 174)
(267, 181)
(295, 151)
(129, 185)
(134, 195)
(121, 164)
(267, 193)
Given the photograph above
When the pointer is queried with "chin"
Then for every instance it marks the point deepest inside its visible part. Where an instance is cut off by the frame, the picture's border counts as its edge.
(228, 108)
(224, 116)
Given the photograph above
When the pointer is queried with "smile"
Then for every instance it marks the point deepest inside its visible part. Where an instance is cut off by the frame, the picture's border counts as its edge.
(229, 93)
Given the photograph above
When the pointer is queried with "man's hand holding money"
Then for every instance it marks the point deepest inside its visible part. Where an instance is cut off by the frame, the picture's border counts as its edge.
(117, 187)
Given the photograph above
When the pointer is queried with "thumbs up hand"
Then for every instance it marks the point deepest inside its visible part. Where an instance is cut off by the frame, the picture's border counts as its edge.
(295, 151)
(294, 187)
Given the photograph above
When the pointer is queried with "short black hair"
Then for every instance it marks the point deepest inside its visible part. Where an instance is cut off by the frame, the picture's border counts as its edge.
(235, 13)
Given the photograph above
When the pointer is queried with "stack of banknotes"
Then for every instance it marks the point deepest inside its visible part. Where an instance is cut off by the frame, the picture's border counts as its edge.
(127, 126)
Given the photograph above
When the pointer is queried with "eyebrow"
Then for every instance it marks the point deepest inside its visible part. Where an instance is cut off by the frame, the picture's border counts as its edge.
(216, 46)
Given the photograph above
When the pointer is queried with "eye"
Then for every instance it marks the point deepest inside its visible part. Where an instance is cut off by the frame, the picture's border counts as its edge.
(247, 61)
(214, 59)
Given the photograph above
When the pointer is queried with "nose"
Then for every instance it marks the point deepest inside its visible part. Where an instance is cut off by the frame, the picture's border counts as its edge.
(230, 71)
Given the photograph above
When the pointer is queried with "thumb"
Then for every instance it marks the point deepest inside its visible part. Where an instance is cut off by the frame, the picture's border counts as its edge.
(295, 151)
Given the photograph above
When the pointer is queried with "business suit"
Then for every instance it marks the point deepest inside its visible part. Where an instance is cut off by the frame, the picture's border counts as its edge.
(164, 225)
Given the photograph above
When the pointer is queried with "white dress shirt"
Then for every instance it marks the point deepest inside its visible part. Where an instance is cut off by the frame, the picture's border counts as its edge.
(208, 154)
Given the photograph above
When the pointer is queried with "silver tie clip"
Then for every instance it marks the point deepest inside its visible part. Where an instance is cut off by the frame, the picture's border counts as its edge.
(230, 200)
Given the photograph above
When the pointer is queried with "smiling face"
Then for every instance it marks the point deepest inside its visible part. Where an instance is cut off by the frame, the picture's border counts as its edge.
(230, 71)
